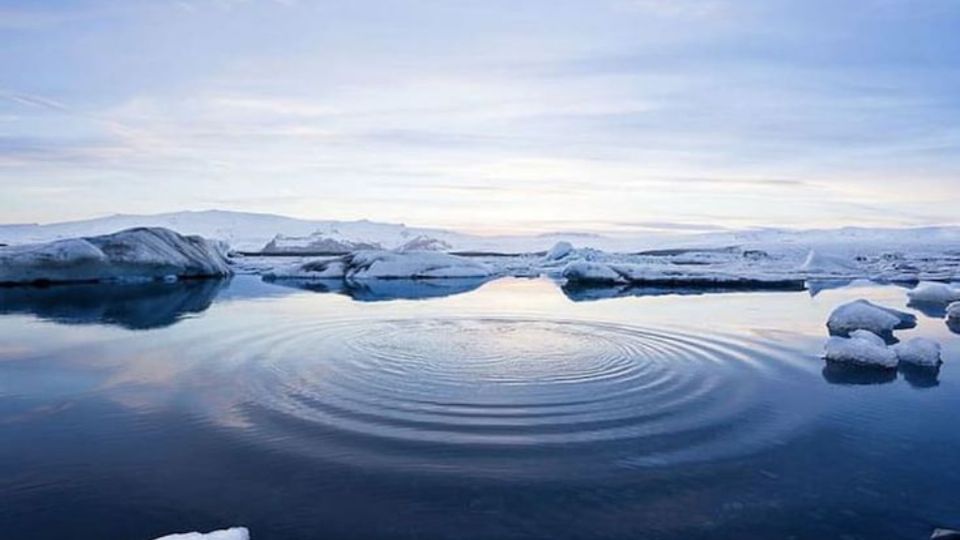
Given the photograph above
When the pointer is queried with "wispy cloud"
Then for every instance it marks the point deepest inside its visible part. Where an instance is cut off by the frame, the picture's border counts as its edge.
(620, 114)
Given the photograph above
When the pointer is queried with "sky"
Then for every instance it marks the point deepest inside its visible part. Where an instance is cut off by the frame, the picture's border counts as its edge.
(487, 116)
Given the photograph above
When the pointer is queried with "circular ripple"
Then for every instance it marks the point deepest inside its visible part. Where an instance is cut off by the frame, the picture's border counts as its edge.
(524, 397)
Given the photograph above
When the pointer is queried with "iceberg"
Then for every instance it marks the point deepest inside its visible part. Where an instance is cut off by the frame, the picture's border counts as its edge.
(378, 264)
(919, 352)
(591, 272)
(671, 275)
(934, 293)
(132, 254)
(864, 315)
(235, 533)
(824, 265)
(862, 348)
(559, 251)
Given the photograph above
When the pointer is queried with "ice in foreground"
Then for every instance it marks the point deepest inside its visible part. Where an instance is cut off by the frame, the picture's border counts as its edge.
(864, 315)
(861, 348)
(934, 293)
(142, 253)
(386, 265)
(919, 352)
(235, 533)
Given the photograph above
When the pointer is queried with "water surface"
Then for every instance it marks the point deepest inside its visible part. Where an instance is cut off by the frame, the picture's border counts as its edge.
(462, 409)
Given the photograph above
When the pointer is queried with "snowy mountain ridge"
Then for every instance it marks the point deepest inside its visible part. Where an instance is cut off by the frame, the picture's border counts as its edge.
(253, 232)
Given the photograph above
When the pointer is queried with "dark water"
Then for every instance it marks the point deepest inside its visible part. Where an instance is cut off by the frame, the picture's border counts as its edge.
(462, 409)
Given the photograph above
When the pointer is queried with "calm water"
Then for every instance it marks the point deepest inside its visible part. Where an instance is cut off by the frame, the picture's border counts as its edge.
(460, 409)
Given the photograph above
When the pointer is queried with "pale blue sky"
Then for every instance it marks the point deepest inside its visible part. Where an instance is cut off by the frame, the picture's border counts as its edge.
(487, 116)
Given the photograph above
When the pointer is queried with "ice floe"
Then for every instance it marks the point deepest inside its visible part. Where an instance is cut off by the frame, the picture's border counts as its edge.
(133, 254)
(559, 251)
(386, 265)
(864, 315)
(934, 293)
(861, 348)
(919, 352)
(672, 274)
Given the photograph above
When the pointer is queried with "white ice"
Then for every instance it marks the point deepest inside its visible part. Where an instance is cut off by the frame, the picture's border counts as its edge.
(377, 264)
(235, 533)
(861, 348)
(559, 251)
(144, 253)
(864, 315)
(919, 352)
(953, 311)
(934, 293)
(824, 265)
(725, 257)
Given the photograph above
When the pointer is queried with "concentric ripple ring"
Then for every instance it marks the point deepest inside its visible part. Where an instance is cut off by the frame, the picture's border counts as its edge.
(511, 396)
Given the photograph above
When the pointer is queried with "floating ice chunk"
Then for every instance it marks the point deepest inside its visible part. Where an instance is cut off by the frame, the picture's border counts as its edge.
(559, 251)
(411, 264)
(861, 348)
(864, 315)
(945, 534)
(312, 269)
(129, 255)
(589, 272)
(934, 293)
(920, 352)
(386, 265)
(235, 533)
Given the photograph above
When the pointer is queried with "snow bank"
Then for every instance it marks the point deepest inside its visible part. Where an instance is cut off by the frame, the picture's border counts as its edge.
(953, 311)
(235, 533)
(558, 251)
(934, 293)
(861, 348)
(864, 315)
(133, 254)
(919, 352)
(386, 265)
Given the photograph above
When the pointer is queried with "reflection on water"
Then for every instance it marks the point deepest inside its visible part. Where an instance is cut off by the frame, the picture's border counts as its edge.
(842, 373)
(846, 374)
(588, 292)
(503, 409)
(387, 289)
(930, 309)
(136, 306)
